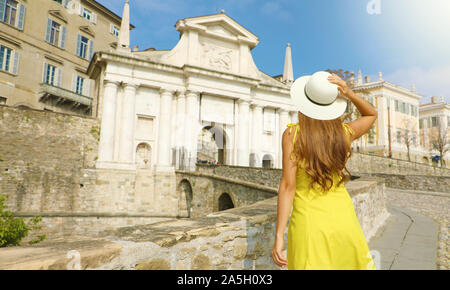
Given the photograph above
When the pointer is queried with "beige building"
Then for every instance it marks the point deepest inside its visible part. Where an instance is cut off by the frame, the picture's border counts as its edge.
(397, 126)
(434, 125)
(45, 48)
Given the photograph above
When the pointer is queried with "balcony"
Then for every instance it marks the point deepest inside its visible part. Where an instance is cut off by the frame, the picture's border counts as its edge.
(60, 97)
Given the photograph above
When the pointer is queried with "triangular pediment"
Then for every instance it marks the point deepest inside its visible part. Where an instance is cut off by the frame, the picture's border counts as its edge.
(87, 30)
(222, 28)
(220, 25)
(58, 14)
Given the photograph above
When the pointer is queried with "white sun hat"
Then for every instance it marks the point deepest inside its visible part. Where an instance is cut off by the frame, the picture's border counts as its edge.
(317, 98)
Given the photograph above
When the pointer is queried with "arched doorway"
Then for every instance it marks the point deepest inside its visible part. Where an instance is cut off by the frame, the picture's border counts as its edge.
(185, 198)
(143, 155)
(225, 202)
(267, 161)
(211, 145)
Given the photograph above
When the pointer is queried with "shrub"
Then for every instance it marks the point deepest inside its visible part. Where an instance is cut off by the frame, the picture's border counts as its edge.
(13, 230)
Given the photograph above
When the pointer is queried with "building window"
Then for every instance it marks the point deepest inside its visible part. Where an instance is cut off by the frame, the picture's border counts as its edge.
(56, 33)
(58, 1)
(49, 73)
(399, 136)
(5, 58)
(82, 46)
(9, 60)
(52, 75)
(79, 85)
(85, 47)
(87, 14)
(3, 100)
(396, 106)
(421, 124)
(10, 12)
(114, 30)
(434, 121)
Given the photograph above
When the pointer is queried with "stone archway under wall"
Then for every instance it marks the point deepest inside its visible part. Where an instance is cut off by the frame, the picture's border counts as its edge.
(23, 106)
(143, 155)
(186, 196)
(211, 144)
(267, 161)
(225, 202)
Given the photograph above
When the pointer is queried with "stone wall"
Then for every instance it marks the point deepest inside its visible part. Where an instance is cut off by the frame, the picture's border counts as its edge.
(41, 157)
(239, 238)
(416, 182)
(47, 162)
(430, 177)
(207, 188)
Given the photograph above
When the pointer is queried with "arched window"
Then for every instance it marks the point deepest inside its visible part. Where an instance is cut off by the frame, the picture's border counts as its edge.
(267, 161)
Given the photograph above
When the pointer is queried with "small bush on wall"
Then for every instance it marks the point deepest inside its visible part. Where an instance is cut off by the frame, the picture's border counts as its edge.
(13, 230)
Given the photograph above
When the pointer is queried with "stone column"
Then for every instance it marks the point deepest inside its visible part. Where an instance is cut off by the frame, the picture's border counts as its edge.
(257, 133)
(426, 131)
(106, 146)
(164, 131)
(243, 133)
(284, 120)
(190, 123)
(179, 127)
(127, 126)
(294, 116)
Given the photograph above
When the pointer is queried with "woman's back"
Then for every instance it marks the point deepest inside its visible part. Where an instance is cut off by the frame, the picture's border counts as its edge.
(322, 226)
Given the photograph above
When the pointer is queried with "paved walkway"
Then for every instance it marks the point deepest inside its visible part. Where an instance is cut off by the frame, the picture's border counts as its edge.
(407, 241)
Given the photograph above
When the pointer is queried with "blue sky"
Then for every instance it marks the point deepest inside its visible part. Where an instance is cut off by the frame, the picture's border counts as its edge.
(409, 41)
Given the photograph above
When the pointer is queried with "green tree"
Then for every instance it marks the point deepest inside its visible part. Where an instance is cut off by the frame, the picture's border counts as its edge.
(13, 230)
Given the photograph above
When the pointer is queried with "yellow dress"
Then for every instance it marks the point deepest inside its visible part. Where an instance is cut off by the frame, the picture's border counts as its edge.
(324, 231)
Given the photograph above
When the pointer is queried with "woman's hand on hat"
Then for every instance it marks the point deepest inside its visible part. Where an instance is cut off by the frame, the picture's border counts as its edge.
(342, 85)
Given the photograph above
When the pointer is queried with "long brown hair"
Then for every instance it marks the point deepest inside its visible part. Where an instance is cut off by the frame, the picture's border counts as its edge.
(324, 147)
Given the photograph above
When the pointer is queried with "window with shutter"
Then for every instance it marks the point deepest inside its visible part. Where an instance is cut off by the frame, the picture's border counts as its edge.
(87, 13)
(21, 22)
(44, 73)
(9, 14)
(59, 82)
(50, 74)
(49, 29)
(79, 85)
(87, 87)
(83, 46)
(63, 37)
(91, 49)
(2, 9)
(15, 69)
(6, 59)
